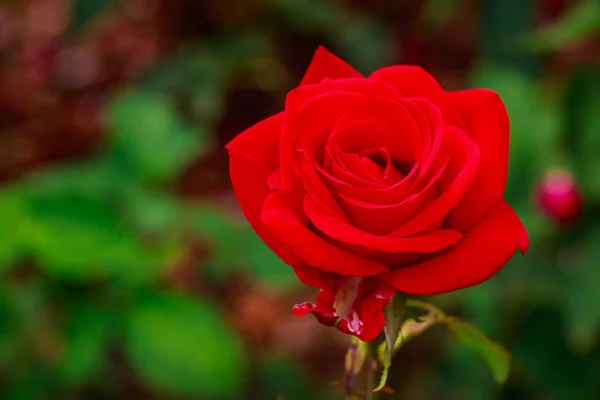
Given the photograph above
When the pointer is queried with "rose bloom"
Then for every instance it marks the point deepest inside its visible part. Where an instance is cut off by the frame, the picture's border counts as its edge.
(371, 185)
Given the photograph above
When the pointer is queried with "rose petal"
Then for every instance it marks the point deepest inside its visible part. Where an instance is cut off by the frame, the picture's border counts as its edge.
(314, 123)
(487, 125)
(381, 195)
(381, 219)
(345, 232)
(464, 159)
(325, 64)
(342, 172)
(308, 246)
(477, 257)
(295, 100)
(415, 82)
(380, 123)
(253, 158)
(362, 316)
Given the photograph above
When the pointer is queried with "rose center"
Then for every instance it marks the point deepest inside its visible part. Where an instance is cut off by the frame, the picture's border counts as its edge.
(379, 164)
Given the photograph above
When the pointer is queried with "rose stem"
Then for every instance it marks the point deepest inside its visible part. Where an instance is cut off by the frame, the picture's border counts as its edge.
(371, 352)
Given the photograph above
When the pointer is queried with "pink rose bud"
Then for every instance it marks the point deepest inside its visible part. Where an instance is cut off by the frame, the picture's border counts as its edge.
(558, 196)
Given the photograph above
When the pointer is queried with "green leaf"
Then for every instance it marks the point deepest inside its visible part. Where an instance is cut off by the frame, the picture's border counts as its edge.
(581, 310)
(85, 10)
(365, 43)
(15, 220)
(150, 139)
(495, 355)
(581, 21)
(283, 379)
(75, 238)
(503, 22)
(409, 329)
(182, 346)
(87, 335)
(395, 315)
(251, 254)
(582, 127)
(438, 12)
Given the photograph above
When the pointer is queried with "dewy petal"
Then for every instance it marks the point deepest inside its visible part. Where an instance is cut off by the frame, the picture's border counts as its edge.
(308, 246)
(325, 64)
(253, 159)
(487, 125)
(353, 305)
(485, 249)
(415, 82)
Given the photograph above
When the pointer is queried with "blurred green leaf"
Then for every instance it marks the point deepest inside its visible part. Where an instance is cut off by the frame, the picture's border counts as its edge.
(152, 211)
(581, 21)
(86, 337)
(395, 315)
(582, 314)
(558, 373)
(363, 41)
(409, 329)
(77, 238)
(252, 255)
(149, 137)
(503, 22)
(85, 10)
(14, 218)
(95, 180)
(438, 12)
(286, 380)
(495, 355)
(181, 345)
(582, 127)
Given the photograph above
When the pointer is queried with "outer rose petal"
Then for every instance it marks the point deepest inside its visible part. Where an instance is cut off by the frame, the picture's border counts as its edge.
(487, 125)
(327, 65)
(279, 218)
(362, 317)
(415, 82)
(477, 257)
(253, 156)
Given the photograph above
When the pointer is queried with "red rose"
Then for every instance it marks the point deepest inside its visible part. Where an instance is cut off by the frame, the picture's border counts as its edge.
(366, 186)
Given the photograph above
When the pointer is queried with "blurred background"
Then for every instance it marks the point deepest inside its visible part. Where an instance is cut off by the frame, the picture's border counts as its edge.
(126, 267)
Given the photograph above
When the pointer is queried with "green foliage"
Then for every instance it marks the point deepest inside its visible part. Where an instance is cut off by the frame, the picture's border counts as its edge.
(364, 42)
(496, 357)
(182, 345)
(579, 22)
(87, 335)
(150, 138)
(84, 11)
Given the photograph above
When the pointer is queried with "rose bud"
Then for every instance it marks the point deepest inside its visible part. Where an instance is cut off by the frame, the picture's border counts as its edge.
(558, 196)
(367, 186)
